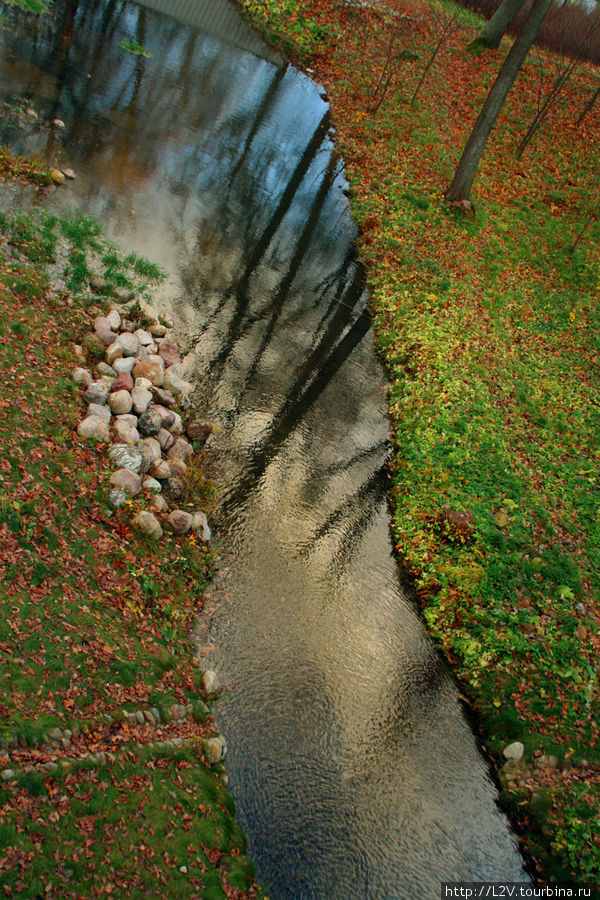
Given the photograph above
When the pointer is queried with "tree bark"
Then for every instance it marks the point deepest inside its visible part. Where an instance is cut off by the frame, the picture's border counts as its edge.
(588, 106)
(496, 27)
(469, 161)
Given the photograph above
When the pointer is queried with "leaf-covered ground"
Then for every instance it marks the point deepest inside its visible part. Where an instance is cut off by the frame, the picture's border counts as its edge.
(488, 326)
(93, 622)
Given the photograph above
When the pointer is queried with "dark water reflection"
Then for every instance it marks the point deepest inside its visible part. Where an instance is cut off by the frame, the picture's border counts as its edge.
(354, 771)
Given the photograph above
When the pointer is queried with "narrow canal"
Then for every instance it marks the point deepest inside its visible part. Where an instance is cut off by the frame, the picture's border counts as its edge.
(353, 768)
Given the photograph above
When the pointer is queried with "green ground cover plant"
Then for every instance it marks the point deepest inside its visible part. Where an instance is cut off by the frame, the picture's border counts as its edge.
(94, 620)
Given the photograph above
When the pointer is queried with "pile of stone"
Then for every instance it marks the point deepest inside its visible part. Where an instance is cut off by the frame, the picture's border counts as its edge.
(134, 402)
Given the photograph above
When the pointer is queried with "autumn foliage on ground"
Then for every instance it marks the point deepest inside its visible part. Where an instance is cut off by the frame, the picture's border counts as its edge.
(93, 623)
(487, 322)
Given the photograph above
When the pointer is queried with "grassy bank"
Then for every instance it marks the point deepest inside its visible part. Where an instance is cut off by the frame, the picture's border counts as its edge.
(106, 788)
(488, 327)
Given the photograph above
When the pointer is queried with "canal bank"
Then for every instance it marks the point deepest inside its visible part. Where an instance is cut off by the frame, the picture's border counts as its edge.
(339, 705)
(486, 327)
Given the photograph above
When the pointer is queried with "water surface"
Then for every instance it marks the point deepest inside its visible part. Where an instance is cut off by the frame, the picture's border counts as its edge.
(354, 770)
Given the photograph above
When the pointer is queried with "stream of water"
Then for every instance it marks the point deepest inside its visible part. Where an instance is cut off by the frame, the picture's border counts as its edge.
(354, 770)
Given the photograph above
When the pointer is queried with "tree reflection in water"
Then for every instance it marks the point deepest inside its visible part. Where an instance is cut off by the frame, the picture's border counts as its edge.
(356, 774)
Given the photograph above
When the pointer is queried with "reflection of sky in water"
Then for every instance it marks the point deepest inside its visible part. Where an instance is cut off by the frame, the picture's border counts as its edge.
(354, 771)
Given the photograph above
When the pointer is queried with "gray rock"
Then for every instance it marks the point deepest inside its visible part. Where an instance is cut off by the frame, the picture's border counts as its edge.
(102, 324)
(106, 338)
(153, 447)
(215, 749)
(200, 523)
(170, 353)
(198, 431)
(79, 354)
(107, 370)
(125, 434)
(163, 397)
(154, 358)
(177, 426)
(124, 364)
(150, 423)
(160, 469)
(128, 419)
(96, 409)
(140, 717)
(158, 503)
(181, 449)
(141, 400)
(120, 402)
(211, 684)
(151, 484)
(126, 456)
(143, 383)
(82, 377)
(124, 295)
(96, 393)
(178, 712)
(143, 337)
(178, 468)
(179, 521)
(126, 480)
(514, 751)
(117, 498)
(147, 456)
(177, 385)
(8, 774)
(150, 369)
(165, 439)
(94, 427)
(148, 525)
(114, 319)
(168, 417)
(113, 352)
(128, 342)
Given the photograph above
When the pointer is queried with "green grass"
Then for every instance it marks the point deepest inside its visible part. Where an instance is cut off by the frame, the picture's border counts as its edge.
(285, 23)
(488, 329)
(93, 620)
(35, 7)
(135, 48)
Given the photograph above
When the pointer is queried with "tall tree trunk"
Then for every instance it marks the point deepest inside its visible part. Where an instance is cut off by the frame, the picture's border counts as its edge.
(469, 161)
(588, 106)
(496, 27)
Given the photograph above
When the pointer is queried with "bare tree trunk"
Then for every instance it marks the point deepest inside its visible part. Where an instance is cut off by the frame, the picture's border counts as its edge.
(431, 61)
(588, 106)
(469, 161)
(546, 107)
(496, 27)
(591, 217)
